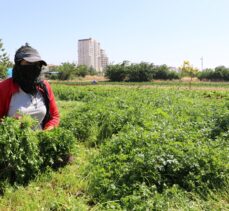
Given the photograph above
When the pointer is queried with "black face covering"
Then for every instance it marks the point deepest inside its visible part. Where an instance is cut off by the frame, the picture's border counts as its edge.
(27, 76)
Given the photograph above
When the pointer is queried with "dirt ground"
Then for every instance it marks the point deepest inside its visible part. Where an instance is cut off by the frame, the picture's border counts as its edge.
(102, 78)
(92, 78)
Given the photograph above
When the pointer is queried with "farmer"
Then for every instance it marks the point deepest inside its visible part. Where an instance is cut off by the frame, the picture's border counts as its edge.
(26, 93)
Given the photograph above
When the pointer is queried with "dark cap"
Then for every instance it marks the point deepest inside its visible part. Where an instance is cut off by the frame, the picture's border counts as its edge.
(28, 54)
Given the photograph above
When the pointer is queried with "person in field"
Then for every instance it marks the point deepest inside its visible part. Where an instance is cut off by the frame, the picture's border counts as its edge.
(26, 93)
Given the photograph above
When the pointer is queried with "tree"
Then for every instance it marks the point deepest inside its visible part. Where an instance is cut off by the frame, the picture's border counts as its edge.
(117, 72)
(140, 72)
(188, 70)
(221, 73)
(67, 71)
(206, 74)
(92, 71)
(4, 61)
(82, 70)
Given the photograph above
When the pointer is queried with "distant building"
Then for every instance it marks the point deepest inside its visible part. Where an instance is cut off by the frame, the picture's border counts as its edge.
(174, 69)
(103, 59)
(91, 55)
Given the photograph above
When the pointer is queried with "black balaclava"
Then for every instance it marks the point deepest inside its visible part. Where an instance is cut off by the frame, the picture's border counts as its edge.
(27, 77)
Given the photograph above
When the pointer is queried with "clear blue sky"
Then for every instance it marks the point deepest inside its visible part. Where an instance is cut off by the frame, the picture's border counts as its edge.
(154, 31)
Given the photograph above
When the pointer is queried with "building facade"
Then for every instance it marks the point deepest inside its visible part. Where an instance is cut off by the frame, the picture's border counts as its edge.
(91, 55)
(103, 59)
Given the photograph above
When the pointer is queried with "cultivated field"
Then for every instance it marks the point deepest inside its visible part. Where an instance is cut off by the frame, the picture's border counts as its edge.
(137, 146)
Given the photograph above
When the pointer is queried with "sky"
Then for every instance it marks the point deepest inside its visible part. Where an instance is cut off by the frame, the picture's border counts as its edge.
(154, 31)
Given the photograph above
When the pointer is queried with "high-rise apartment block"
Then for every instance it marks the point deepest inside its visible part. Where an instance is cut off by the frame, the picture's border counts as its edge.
(103, 59)
(91, 55)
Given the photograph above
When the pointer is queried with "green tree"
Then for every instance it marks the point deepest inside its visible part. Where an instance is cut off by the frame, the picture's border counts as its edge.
(188, 70)
(206, 74)
(82, 70)
(92, 71)
(141, 72)
(67, 71)
(221, 73)
(4, 61)
(117, 72)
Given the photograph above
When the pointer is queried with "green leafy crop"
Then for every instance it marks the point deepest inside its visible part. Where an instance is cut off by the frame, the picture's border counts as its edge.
(19, 153)
(136, 159)
(25, 152)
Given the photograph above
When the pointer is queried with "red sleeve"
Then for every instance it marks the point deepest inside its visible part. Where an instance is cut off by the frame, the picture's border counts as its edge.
(2, 101)
(54, 113)
(7, 88)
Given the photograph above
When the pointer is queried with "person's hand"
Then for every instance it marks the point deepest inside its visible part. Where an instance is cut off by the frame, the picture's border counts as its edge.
(17, 116)
(49, 128)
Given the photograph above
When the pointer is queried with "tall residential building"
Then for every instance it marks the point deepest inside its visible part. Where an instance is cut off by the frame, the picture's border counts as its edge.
(90, 54)
(103, 59)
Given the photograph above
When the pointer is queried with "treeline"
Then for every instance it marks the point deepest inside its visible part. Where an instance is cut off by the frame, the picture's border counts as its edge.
(133, 72)
(148, 71)
(139, 72)
(220, 73)
(68, 71)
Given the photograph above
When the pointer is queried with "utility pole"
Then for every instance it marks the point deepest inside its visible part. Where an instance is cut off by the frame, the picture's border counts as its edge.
(202, 63)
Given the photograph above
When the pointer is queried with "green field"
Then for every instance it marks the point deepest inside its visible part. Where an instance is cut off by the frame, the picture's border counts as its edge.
(138, 147)
(174, 84)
